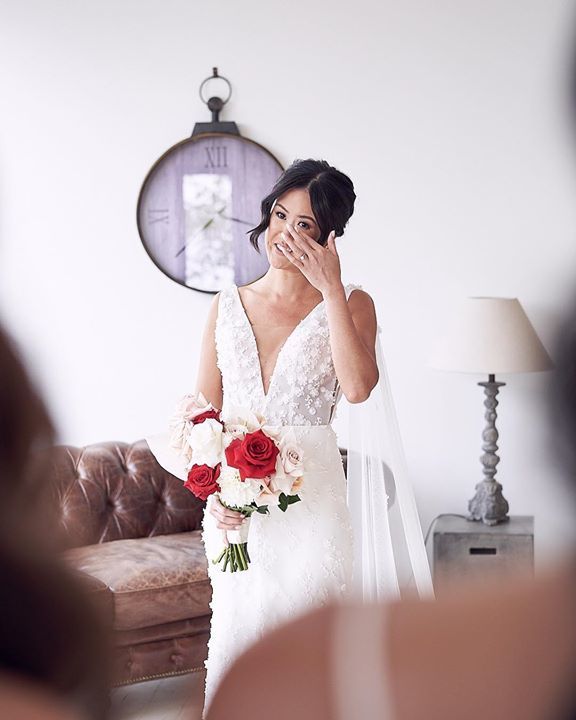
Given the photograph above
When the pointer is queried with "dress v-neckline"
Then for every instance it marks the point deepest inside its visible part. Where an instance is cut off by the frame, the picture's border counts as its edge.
(265, 394)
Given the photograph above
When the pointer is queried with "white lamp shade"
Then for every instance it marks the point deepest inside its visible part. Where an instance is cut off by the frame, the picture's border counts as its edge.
(490, 336)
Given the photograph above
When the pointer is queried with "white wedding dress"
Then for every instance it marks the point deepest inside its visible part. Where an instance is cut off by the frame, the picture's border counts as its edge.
(302, 558)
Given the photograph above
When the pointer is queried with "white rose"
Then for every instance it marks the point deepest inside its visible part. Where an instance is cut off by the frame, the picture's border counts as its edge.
(179, 430)
(188, 408)
(280, 482)
(291, 458)
(291, 455)
(205, 440)
(192, 405)
(240, 420)
(289, 465)
(233, 491)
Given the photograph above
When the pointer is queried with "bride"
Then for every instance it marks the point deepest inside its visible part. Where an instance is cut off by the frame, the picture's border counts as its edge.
(287, 346)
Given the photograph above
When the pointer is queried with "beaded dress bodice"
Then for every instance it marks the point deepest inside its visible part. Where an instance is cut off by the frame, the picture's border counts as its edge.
(303, 389)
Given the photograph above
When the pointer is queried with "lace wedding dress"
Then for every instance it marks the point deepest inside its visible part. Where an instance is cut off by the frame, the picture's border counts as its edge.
(302, 558)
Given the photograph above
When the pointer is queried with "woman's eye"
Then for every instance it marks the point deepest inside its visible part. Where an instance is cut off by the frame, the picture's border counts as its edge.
(280, 214)
(304, 225)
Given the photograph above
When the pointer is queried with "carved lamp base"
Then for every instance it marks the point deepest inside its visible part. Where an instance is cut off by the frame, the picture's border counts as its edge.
(488, 505)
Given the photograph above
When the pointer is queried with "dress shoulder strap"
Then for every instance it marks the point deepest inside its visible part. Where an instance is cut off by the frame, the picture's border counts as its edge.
(226, 304)
(358, 662)
(351, 286)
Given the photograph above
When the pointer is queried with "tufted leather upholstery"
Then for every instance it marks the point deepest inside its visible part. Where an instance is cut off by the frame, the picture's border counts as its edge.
(113, 490)
(134, 531)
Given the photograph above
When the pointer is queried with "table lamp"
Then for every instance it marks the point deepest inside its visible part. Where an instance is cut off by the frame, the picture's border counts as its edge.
(490, 336)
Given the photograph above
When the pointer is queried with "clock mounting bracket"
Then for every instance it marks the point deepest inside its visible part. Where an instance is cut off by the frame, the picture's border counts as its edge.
(215, 104)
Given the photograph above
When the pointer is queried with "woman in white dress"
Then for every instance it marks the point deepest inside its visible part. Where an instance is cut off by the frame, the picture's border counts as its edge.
(288, 346)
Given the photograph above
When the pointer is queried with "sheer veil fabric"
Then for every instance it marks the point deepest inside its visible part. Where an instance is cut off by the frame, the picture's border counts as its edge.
(389, 554)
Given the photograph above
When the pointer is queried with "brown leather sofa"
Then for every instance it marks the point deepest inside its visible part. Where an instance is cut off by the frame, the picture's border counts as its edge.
(135, 531)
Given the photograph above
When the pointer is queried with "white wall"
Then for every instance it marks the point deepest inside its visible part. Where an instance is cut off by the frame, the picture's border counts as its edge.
(450, 118)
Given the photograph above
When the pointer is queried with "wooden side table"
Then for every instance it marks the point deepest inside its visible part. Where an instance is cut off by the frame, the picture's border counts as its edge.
(469, 550)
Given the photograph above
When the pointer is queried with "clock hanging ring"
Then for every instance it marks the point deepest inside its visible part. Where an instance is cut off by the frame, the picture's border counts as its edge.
(199, 200)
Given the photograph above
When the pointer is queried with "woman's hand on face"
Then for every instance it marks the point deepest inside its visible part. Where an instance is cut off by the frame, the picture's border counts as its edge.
(225, 519)
(320, 265)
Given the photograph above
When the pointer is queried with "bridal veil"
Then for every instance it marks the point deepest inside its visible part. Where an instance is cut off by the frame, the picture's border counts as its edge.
(389, 554)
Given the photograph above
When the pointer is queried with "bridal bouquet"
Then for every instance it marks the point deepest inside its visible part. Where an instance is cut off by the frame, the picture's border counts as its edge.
(246, 464)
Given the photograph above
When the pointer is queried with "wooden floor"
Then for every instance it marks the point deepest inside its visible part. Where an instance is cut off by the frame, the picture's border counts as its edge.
(174, 698)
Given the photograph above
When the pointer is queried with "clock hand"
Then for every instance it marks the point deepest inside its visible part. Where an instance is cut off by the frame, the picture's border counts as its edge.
(244, 222)
(206, 224)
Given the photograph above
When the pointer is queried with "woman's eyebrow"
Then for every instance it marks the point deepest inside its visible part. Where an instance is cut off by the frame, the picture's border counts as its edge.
(302, 216)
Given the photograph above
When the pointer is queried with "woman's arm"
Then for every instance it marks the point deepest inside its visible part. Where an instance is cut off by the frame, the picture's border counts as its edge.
(209, 379)
(352, 324)
(209, 383)
(353, 330)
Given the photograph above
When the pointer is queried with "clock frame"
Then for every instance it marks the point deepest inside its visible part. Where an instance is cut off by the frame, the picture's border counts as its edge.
(197, 203)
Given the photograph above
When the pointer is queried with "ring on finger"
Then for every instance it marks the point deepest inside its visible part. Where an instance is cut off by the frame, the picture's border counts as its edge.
(303, 256)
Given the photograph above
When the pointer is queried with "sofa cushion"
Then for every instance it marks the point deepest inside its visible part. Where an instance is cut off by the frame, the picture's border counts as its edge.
(154, 580)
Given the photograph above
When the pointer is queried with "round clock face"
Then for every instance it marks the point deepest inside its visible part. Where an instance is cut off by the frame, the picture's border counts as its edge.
(198, 202)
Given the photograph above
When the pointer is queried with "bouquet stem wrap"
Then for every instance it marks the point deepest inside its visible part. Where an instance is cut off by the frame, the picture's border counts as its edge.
(235, 555)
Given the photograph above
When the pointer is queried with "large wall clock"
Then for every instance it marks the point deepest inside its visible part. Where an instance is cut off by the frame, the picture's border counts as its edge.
(198, 201)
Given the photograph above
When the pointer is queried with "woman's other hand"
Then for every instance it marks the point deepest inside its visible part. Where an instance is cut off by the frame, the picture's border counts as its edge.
(225, 519)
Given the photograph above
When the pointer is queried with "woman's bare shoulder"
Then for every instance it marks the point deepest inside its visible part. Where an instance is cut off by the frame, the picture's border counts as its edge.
(360, 298)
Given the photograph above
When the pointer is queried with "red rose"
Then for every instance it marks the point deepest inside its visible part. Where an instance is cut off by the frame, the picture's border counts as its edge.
(208, 415)
(254, 456)
(202, 480)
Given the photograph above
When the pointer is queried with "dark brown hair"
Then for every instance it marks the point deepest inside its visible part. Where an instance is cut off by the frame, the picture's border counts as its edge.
(331, 196)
